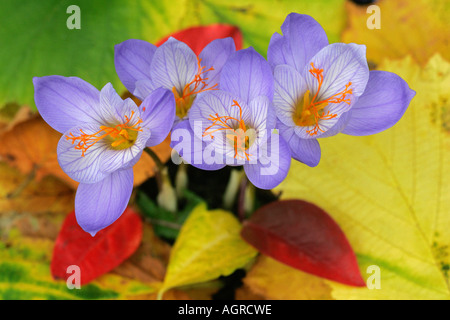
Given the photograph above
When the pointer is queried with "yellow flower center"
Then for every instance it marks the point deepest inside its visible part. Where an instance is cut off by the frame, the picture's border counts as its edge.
(308, 111)
(119, 136)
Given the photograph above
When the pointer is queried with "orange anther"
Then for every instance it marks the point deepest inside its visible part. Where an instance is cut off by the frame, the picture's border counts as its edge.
(85, 141)
(237, 136)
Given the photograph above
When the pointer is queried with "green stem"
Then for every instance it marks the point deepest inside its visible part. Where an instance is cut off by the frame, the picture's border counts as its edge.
(241, 198)
(167, 197)
(232, 189)
(159, 172)
(181, 179)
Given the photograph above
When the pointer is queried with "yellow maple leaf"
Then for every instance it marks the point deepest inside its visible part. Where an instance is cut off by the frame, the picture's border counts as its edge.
(417, 28)
(390, 192)
(275, 280)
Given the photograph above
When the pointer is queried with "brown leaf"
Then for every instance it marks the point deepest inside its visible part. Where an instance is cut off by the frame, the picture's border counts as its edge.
(31, 145)
(11, 114)
(149, 262)
(19, 193)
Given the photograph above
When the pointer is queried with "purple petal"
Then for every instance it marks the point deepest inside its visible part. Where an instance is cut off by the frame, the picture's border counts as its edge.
(99, 204)
(277, 53)
(273, 163)
(306, 151)
(112, 108)
(132, 59)
(247, 75)
(192, 149)
(143, 88)
(381, 105)
(289, 90)
(303, 38)
(338, 73)
(262, 114)
(158, 114)
(174, 65)
(215, 54)
(66, 102)
(341, 63)
(82, 169)
(333, 127)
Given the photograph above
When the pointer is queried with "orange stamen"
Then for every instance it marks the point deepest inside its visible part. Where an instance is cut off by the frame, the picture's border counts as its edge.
(119, 133)
(314, 107)
(197, 85)
(240, 143)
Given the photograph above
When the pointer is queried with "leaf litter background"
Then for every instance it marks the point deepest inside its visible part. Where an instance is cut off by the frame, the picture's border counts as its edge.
(390, 193)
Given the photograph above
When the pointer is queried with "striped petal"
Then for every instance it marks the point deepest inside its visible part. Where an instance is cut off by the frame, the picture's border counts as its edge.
(174, 64)
(290, 88)
(66, 102)
(215, 55)
(132, 59)
(158, 115)
(382, 104)
(272, 166)
(98, 205)
(84, 169)
(302, 38)
(247, 75)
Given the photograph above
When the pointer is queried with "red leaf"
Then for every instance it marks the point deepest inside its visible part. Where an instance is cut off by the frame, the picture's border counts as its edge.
(95, 255)
(305, 237)
(198, 37)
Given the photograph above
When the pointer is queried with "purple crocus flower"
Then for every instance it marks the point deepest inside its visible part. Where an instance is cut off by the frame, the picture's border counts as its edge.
(233, 125)
(322, 89)
(142, 67)
(103, 137)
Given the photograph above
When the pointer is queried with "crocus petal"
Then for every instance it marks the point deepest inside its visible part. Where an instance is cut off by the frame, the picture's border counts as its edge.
(262, 115)
(342, 64)
(306, 151)
(98, 205)
(247, 75)
(303, 38)
(66, 102)
(192, 149)
(132, 59)
(158, 114)
(278, 51)
(273, 163)
(143, 88)
(215, 54)
(332, 127)
(174, 65)
(290, 88)
(82, 169)
(112, 108)
(381, 105)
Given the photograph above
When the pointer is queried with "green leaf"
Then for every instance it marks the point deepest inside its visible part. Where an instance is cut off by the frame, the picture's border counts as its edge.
(208, 246)
(39, 42)
(167, 224)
